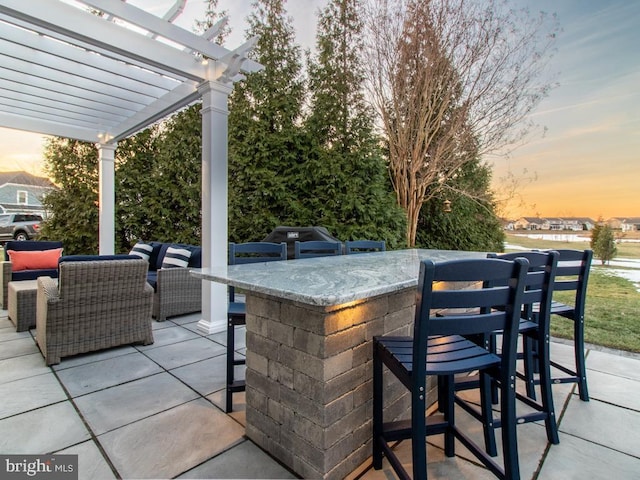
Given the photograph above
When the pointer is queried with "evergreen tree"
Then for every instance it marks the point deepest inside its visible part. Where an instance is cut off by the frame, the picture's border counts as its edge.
(140, 207)
(178, 178)
(472, 223)
(603, 242)
(73, 208)
(159, 174)
(266, 146)
(347, 180)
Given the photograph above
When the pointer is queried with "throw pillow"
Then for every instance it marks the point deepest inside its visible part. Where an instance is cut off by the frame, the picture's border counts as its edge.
(176, 257)
(142, 250)
(34, 259)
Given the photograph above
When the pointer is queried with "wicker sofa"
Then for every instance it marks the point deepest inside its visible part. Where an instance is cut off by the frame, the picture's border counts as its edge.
(98, 302)
(11, 274)
(176, 291)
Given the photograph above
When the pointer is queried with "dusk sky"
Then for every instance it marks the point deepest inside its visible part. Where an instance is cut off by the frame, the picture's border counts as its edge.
(587, 163)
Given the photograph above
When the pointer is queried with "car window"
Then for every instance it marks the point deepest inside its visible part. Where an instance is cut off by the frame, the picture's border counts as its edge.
(4, 219)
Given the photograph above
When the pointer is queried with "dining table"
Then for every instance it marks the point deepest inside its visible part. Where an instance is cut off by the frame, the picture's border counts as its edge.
(309, 330)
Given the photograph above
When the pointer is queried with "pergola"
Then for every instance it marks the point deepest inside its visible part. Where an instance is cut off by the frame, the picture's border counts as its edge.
(66, 71)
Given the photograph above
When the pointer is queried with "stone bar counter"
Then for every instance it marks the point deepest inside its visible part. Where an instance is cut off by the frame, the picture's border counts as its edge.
(310, 325)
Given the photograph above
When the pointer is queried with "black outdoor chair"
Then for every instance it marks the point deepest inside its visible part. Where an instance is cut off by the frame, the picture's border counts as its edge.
(535, 336)
(438, 347)
(572, 275)
(252, 252)
(364, 246)
(317, 248)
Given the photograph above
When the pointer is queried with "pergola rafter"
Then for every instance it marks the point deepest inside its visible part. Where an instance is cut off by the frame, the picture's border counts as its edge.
(66, 71)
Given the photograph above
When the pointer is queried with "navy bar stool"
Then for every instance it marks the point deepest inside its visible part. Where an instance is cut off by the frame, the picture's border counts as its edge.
(241, 253)
(438, 347)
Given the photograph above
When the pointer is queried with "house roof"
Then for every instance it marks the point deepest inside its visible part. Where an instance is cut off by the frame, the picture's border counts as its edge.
(65, 71)
(24, 178)
(534, 220)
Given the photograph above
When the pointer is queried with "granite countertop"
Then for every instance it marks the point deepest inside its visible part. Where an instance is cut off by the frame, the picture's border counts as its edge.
(326, 281)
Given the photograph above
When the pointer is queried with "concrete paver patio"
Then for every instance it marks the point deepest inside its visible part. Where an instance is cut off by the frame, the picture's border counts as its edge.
(157, 412)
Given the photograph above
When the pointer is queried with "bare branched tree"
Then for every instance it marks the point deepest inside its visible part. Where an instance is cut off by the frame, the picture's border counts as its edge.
(451, 80)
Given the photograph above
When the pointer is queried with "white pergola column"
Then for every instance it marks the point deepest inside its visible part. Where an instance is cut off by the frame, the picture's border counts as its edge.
(214, 201)
(106, 198)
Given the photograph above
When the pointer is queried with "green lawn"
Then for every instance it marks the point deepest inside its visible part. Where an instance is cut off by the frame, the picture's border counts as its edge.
(612, 316)
(625, 250)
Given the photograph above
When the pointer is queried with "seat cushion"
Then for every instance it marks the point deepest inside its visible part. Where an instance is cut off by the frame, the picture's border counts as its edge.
(94, 258)
(33, 274)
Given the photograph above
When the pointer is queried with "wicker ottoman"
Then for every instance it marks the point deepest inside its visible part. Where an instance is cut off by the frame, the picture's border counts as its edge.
(22, 304)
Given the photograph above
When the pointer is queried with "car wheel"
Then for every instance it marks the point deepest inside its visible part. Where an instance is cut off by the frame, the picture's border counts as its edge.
(21, 236)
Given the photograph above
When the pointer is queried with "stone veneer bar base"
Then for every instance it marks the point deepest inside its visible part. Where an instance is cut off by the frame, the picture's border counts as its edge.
(309, 379)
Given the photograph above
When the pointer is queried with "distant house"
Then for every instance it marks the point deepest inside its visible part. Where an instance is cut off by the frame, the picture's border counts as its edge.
(555, 223)
(631, 224)
(531, 223)
(508, 224)
(575, 224)
(626, 224)
(23, 192)
(615, 223)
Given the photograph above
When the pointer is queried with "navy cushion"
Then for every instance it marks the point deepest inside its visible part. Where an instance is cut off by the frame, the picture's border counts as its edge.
(93, 258)
(152, 279)
(155, 254)
(161, 253)
(196, 256)
(33, 274)
(29, 245)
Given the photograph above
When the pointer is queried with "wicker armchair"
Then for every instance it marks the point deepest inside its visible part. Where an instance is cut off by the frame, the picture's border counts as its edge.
(96, 304)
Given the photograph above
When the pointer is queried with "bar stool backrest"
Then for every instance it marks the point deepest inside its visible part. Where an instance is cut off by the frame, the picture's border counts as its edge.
(317, 248)
(364, 246)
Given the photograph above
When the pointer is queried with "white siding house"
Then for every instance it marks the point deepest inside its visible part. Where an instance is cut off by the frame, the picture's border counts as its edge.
(23, 192)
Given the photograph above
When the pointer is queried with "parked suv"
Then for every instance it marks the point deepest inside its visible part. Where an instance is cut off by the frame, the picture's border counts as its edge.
(19, 226)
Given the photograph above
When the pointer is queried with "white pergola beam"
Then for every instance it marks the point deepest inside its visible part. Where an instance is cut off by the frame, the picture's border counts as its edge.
(162, 28)
(58, 129)
(63, 99)
(164, 106)
(79, 56)
(27, 60)
(65, 80)
(82, 122)
(55, 88)
(77, 24)
(47, 105)
(175, 11)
